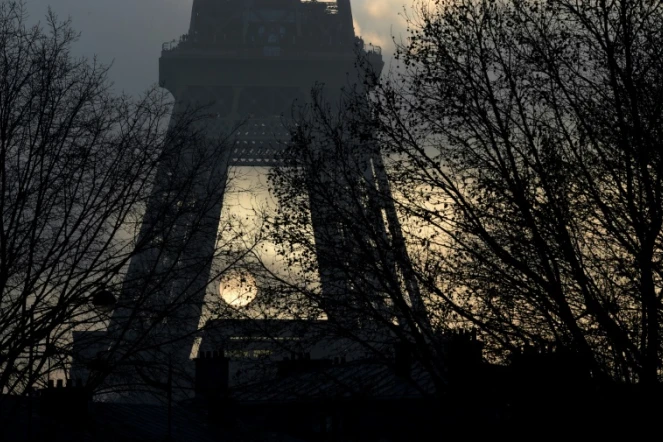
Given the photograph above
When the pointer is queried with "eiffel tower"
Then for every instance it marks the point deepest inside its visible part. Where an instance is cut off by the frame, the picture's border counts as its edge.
(247, 58)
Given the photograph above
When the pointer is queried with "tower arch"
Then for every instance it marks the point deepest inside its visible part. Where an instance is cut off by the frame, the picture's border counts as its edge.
(246, 62)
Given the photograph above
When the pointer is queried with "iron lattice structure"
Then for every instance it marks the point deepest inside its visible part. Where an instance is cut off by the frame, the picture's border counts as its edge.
(244, 58)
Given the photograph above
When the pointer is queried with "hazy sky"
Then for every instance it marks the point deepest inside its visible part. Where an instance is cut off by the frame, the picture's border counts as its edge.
(130, 32)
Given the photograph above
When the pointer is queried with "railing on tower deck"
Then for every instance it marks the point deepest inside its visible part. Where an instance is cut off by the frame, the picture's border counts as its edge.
(372, 49)
(169, 46)
(185, 45)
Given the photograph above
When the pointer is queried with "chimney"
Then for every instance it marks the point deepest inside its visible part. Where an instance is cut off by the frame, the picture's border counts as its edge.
(463, 350)
(65, 405)
(211, 378)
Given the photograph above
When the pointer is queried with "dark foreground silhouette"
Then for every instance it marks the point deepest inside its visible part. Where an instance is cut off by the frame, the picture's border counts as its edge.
(541, 393)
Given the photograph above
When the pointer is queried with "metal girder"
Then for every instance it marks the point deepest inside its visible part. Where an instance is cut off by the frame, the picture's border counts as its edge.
(256, 153)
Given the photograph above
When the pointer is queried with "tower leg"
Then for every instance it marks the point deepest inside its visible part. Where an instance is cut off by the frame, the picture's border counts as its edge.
(159, 309)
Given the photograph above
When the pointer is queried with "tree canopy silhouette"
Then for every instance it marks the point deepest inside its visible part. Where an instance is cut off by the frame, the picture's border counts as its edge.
(78, 164)
(522, 141)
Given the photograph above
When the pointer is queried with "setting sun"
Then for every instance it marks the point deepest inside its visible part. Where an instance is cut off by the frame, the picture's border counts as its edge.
(238, 288)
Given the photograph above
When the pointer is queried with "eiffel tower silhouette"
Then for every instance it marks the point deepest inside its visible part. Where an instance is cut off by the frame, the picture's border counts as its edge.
(240, 58)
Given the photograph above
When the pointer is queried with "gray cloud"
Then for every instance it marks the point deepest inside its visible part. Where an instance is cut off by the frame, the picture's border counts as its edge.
(127, 33)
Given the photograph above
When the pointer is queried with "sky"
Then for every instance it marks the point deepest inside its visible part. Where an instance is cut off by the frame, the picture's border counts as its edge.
(129, 33)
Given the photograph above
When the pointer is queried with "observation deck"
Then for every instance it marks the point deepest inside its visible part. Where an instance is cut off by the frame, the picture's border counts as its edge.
(265, 42)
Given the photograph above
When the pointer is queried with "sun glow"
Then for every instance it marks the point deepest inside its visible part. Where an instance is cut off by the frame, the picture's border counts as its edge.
(238, 288)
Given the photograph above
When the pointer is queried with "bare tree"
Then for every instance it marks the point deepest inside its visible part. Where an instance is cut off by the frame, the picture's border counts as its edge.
(79, 168)
(333, 173)
(522, 142)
